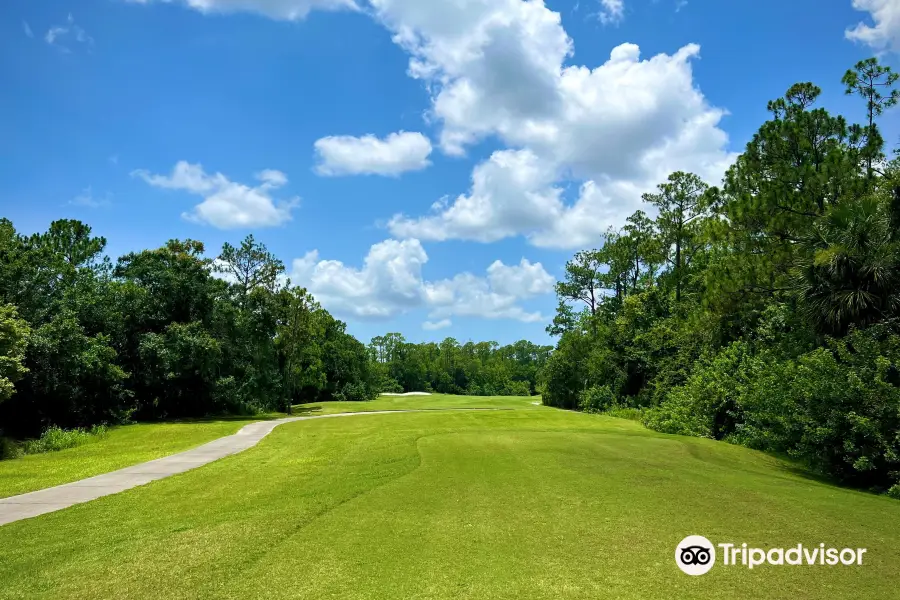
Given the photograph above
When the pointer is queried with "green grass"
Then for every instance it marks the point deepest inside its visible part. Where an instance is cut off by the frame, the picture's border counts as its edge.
(435, 401)
(119, 447)
(530, 503)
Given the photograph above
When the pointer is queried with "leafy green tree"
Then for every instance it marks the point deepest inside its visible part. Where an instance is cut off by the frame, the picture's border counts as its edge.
(583, 280)
(71, 244)
(73, 380)
(875, 84)
(346, 365)
(14, 333)
(563, 321)
(680, 203)
(250, 265)
(299, 337)
(646, 249)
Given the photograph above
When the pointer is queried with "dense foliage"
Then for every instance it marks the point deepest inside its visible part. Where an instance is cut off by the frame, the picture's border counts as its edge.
(766, 311)
(161, 333)
(476, 369)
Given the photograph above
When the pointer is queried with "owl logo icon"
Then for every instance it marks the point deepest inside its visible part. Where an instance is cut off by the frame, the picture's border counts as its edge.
(695, 555)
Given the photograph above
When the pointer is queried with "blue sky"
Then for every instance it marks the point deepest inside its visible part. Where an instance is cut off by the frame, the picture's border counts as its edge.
(423, 167)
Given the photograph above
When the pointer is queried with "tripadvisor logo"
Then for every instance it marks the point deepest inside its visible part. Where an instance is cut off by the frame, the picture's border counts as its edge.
(696, 555)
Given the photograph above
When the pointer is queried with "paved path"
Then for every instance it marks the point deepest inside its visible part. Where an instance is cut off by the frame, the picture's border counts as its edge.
(32, 504)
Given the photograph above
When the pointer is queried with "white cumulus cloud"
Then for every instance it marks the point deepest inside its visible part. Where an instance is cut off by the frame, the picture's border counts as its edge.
(497, 69)
(884, 34)
(522, 280)
(390, 282)
(227, 204)
(368, 155)
(512, 193)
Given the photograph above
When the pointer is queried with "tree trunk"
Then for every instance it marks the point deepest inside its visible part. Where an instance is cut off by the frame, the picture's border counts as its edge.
(678, 270)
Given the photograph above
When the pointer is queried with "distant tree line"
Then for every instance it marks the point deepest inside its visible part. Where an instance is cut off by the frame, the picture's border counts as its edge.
(766, 311)
(159, 334)
(477, 369)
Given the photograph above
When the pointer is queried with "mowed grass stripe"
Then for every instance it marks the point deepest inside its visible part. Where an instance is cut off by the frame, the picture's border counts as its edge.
(513, 504)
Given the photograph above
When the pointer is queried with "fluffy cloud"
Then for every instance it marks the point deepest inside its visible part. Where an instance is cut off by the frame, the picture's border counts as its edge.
(496, 68)
(227, 204)
(469, 296)
(522, 280)
(390, 282)
(885, 34)
(288, 10)
(512, 193)
(70, 32)
(494, 65)
(368, 155)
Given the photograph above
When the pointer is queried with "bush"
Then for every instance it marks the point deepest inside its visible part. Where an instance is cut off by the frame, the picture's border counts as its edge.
(596, 399)
(9, 449)
(894, 492)
(353, 392)
(55, 438)
(836, 408)
(709, 404)
(519, 388)
(389, 385)
(626, 412)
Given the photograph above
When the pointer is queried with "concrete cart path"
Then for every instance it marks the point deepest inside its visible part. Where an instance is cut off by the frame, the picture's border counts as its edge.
(32, 504)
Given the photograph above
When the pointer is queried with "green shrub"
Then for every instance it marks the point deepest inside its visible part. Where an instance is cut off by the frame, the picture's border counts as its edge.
(353, 392)
(518, 388)
(596, 398)
(626, 412)
(9, 449)
(709, 404)
(836, 408)
(55, 438)
(389, 385)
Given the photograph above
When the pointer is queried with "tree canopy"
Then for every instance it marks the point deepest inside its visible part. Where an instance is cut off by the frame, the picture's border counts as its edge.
(162, 333)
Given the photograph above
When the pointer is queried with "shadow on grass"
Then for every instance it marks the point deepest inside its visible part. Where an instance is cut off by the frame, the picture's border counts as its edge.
(214, 419)
(302, 410)
(788, 465)
(298, 410)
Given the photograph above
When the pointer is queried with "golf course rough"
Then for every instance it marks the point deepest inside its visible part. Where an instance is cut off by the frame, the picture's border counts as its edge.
(526, 503)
